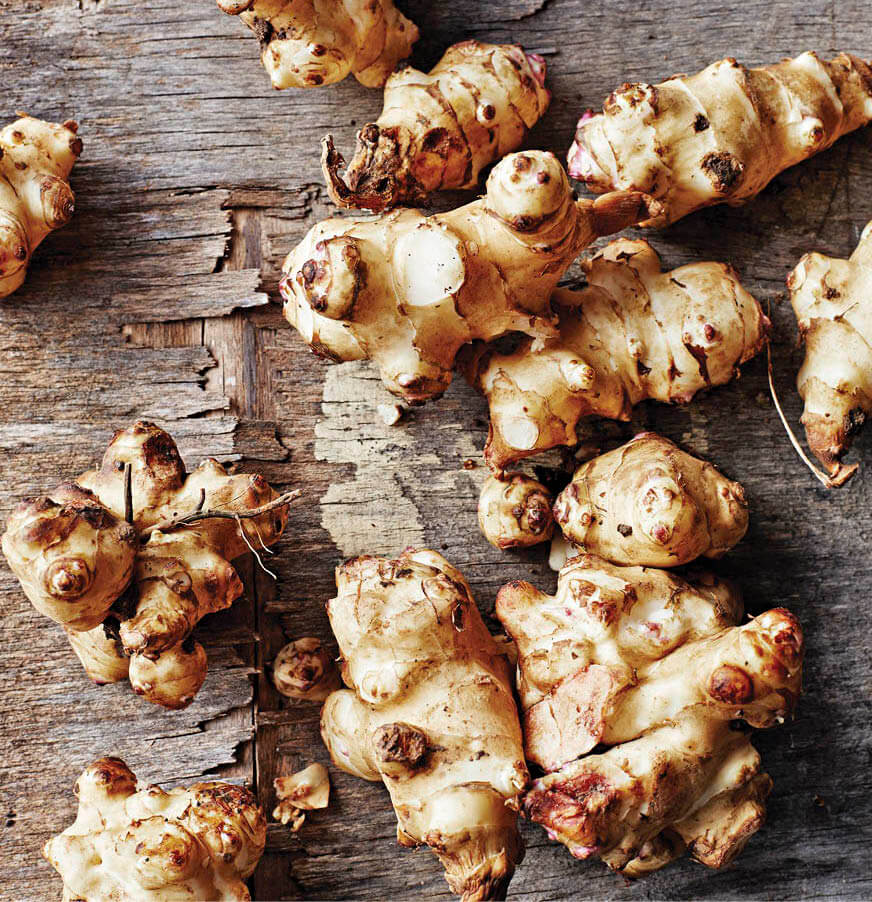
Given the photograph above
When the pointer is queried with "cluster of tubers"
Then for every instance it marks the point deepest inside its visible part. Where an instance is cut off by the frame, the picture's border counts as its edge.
(632, 691)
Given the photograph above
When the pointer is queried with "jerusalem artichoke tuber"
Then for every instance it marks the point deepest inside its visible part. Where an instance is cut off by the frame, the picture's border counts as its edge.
(307, 790)
(658, 669)
(832, 299)
(633, 332)
(145, 844)
(131, 556)
(514, 511)
(722, 135)
(408, 290)
(440, 130)
(306, 43)
(430, 712)
(305, 670)
(36, 159)
(650, 503)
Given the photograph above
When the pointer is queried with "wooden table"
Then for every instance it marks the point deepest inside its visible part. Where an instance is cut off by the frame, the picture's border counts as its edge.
(158, 301)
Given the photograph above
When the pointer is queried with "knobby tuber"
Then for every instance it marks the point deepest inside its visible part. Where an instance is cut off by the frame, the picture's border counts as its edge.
(36, 159)
(633, 332)
(146, 844)
(430, 712)
(722, 135)
(129, 557)
(832, 299)
(440, 130)
(514, 511)
(657, 669)
(307, 790)
(306, 43)
(305, 670)
(650, 503)
(408, 290)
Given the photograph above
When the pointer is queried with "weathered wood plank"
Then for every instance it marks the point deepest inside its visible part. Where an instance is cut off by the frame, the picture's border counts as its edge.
(128, 312)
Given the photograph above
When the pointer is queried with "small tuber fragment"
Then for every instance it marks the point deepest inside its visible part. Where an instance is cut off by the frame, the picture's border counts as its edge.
(514, 511)
(657, 670)
(440, 130)
(650, 503)
(430, 712)
(408, 290)
(633, 332)
(305, 791)
(832, 300)
(305, 670)
(129, 558)
(722, 135)
(146, 844)
(307, 43)
(36, 159)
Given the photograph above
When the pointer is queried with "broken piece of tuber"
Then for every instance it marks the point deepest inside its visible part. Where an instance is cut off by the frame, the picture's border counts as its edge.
(305, 791)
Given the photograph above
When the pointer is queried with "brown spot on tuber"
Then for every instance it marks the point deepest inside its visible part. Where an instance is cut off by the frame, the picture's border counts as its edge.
(730, 685)
(400, 743)
(724, 170)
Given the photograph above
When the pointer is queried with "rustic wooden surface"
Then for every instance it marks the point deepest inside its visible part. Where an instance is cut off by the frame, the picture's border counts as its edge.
(196, 179)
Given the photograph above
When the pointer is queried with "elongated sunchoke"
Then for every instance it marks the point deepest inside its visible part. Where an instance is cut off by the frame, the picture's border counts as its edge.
(832, 299)
(129, 557)
(430, 712)
(149, 845)
(440, 130)
(650, 503)
(306, 43)
(722, 135)
(657, 668)
(633, 332)
(408, 290)
(36, 159)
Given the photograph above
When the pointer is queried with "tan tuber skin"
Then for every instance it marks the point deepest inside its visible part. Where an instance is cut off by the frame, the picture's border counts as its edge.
(650, 503)
(632, 333)
(129, 593)
(305, 670)
(722, 135)
(36, 159)
(429, 711)
(659, 670)
(308, 790)
(408, 290)
(307, 43)
(514, 511)
(146, 844)
(832, 300)
(439, 130)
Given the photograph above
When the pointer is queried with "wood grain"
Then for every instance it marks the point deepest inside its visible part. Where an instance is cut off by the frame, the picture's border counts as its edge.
(197, 179)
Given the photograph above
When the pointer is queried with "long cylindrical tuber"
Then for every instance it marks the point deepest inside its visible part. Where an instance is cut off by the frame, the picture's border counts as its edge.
(722, 135)
(633, 332)
(429, 711)
(439, 130)
(408, 290)
(832, 300)
(307, 43)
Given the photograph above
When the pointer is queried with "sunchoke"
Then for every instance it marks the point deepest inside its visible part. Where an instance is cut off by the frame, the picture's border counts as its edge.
(430, 712)
(515, 511)
(832, 299)
(633, 332)
(408, 290)
(36, 159)
(440, 130)
(306, 43)
(305, 791)
(129, 557)
(305, 670)
(650, 503)
(658, 669)
(722, 135)
(149, 845)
